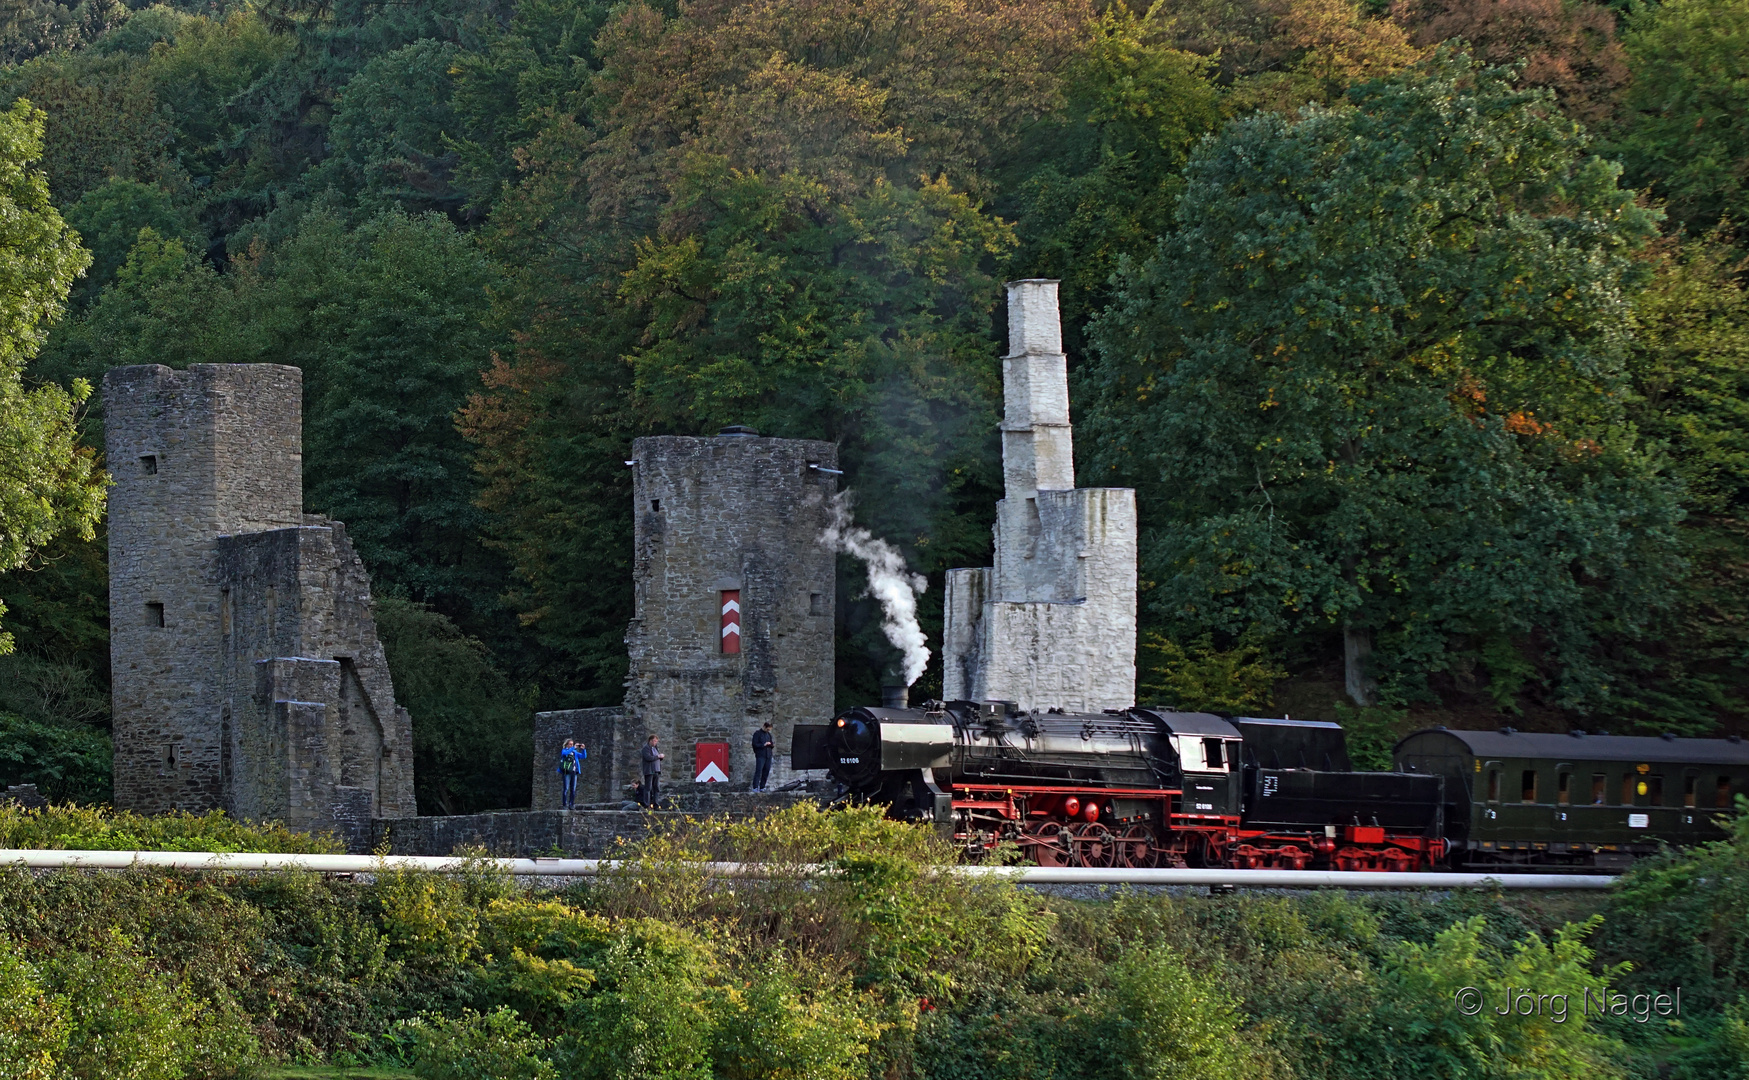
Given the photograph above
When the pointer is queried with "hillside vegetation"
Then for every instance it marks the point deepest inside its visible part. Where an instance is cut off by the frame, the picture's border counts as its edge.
(1418, 327)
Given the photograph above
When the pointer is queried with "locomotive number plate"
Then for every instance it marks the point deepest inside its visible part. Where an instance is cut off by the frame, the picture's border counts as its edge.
(850, 761)
(1271, 784)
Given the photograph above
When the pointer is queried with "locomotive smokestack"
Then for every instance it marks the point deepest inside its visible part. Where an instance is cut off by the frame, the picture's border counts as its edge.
(895, 697)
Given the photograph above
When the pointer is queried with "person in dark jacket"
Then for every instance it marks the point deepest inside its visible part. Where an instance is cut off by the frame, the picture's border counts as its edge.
(652, 762)
(762, 757)
(571, 758)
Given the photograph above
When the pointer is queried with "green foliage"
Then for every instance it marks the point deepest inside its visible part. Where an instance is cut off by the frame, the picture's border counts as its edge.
(1373, 381)
(1687, 914)
(66, 763)
(33, 1022)
(1200, 677)
(109, 219)
(1157, 1020)
(493, 1046)
(1683, 136)
(131, 1021)
(49, 484)
(94, 828)
(472, 741)
(1552, 1041)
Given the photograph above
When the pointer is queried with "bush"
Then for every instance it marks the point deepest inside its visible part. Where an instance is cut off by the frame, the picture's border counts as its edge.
(130, 1021)
(33, 1022)
(66, 762)
(90, 828)
(492, 1046)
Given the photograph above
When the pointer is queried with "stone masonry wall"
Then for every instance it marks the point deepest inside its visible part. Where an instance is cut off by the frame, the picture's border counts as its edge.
(246, 669)
(1053, 623)
(602, 732)
(196, 454)
(732, 512)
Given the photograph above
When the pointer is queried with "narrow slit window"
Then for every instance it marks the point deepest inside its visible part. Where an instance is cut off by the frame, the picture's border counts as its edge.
(149, 464)
(154, 614)
(1529, 785)
(1493, 785)
(655, 506)
(1599, 789)
(731, 626)
(1688, 785)
(1563, 786)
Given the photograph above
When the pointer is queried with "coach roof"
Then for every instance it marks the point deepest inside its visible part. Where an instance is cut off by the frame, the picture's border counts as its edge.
(1580, 747)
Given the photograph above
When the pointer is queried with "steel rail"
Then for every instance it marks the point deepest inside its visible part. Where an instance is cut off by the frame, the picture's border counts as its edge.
(50, 859)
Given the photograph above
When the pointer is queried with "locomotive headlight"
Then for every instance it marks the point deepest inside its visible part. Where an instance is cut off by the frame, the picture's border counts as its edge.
(841, 721)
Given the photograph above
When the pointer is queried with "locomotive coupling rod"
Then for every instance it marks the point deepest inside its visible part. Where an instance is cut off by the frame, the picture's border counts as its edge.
(1039, 875)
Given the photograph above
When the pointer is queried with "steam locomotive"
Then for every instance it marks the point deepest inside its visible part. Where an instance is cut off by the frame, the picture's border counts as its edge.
(1157, 787)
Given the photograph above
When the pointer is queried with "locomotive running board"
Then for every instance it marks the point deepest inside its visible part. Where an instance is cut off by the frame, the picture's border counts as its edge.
(1287, 879)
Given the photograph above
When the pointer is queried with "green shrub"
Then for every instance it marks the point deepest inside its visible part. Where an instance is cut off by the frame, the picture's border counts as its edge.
(94, 828)
(650, 1016)
(491, 1046)
(68, 762)
(130, 1021)
(775, 1024)
(1199, 676)
(1156, 1020)
(33, 1022)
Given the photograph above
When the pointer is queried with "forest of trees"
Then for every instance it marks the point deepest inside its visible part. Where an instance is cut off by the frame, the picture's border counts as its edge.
(1419, 328)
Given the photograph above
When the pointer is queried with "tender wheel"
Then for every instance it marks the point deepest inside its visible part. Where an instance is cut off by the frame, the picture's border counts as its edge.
(1094, 845)
(1135, 848)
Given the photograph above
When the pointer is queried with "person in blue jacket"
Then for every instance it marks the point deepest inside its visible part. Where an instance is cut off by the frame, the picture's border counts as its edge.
(571, 758)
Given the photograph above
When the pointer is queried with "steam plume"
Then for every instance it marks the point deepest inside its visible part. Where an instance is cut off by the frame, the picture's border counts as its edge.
(889, 580)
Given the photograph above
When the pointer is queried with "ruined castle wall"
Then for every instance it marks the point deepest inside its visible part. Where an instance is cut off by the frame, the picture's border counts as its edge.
(195, 454)
(610, 764)
(729, 513)
(1053, 623)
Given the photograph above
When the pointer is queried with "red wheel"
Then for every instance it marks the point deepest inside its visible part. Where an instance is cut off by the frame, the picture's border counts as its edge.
(1050, 845)
(1094, 846)
(1135, 848)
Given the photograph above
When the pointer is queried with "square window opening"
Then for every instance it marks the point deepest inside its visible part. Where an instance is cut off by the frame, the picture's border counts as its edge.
(816, 603)
(154, 614)
(149, 464)
(655, 506)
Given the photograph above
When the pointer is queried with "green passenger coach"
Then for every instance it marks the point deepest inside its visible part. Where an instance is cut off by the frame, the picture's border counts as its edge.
(1515, 799)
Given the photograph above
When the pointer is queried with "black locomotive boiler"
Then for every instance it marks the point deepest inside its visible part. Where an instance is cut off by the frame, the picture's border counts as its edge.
(1137, 787)
(1157, 787)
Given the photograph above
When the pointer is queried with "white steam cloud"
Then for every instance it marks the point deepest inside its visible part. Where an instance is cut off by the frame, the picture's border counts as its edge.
(889, 580)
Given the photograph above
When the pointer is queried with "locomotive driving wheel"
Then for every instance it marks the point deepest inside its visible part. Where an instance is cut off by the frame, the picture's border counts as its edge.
(1094, 845)
(1135, 848)
(1050, 845)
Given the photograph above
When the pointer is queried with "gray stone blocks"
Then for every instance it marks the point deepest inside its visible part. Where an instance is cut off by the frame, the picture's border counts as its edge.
(246, 669)
(1053, 623)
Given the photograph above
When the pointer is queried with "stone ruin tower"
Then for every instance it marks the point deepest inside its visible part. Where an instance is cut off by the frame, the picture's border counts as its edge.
(734, 610)
(1053, 623)
(246, 668)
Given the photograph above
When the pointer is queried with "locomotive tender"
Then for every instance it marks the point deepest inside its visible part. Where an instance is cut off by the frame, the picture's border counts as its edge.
(1157, 787)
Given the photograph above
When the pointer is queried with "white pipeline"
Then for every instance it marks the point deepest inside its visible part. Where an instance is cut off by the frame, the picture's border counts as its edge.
(1032, 875)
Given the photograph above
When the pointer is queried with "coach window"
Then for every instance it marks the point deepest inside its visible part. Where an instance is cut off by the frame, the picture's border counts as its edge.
(1688, 785)
(1493, 785)
(1529, 785)
(1723, 801)
(1599, 789)
(1563, 782)
(1627, 789)
(1654, 791)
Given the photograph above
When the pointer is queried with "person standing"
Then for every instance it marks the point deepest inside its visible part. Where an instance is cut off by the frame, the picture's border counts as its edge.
(571, 758)
(652, 762)
(762, 746)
